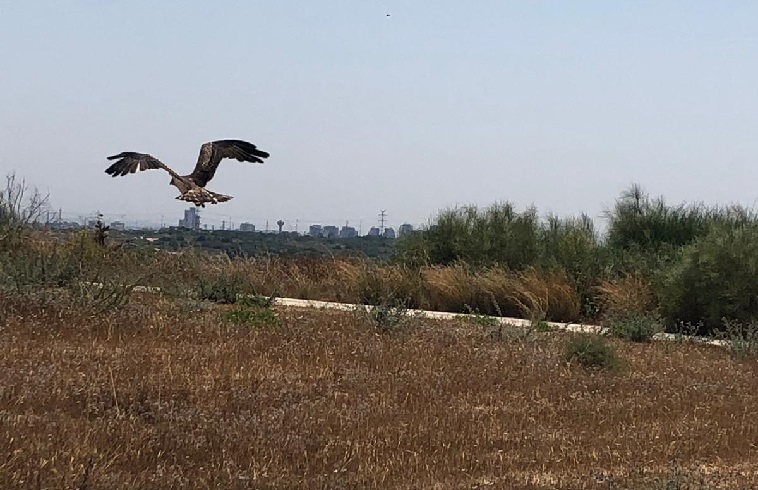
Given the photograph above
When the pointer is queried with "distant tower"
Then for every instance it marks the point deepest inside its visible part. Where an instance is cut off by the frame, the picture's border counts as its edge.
(280, 223)
(382, 219)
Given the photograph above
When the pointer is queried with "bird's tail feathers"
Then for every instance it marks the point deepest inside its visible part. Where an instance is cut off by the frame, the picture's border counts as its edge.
(201, 196)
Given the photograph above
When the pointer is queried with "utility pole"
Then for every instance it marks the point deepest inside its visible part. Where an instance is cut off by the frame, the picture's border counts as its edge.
(382, 218)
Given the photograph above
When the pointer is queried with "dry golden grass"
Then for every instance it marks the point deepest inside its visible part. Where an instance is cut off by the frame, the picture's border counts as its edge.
(629, 294)
(498, 291)
(457, 288)
(167, 395)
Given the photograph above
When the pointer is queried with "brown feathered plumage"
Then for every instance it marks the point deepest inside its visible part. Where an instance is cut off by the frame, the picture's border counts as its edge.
(192, 186)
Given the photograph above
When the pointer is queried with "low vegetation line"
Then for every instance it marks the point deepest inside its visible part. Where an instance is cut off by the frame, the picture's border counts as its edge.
(445, 315)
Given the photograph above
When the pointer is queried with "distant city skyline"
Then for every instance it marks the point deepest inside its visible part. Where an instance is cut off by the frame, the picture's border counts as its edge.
(216, 221)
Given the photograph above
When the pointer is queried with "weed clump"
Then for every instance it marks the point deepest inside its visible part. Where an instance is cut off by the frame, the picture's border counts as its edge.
(253, 311)
(256, 301)
(388, 314)
(483, 319)
(637, 327)
(253, 317)
(221, 290)
(591, 351)
(742, 338)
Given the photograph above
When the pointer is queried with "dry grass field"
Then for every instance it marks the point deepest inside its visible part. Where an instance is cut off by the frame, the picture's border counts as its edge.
(178, 394)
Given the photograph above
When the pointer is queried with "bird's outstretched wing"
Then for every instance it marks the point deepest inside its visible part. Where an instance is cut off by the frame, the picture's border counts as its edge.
(129, 162)
(212, 153)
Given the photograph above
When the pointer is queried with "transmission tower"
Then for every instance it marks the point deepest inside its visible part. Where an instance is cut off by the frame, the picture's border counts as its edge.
(382, 219)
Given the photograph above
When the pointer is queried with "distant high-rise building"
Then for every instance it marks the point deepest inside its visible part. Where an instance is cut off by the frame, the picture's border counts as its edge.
(191, 219)
(247, 227)
(315, 231)
(404, 229)
(348, 232)
(389, 233)
(374, 231)
(330, 231)
(118, 225)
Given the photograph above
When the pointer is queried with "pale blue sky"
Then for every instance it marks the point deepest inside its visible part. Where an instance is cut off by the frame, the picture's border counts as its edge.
(557, 104)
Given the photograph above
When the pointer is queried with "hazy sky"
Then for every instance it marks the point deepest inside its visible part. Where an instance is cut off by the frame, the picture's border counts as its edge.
(557, 104)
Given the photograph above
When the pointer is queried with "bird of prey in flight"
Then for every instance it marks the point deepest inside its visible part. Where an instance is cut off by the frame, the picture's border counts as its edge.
(192, 186)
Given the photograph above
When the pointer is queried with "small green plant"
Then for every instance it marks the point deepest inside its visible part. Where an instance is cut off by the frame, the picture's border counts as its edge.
(635, 326)
(256, 317)
(482, 319)
(539, 324)
(256, 301)
(221, 290)
(686, 331)
(389, 314)
(742, 338)
(591, 351)
(251, 310)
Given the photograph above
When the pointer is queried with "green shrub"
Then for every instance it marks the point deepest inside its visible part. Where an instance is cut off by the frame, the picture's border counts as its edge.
(635, 326)
(540, 325)
(742, 338)
(572, 245)
(25, 269)
(256, 301)
(638, 222)
(591, 351)
(495, 234)
(244, 315)
(389, 314)
(220, 290)
(715, 278)
(483, 319)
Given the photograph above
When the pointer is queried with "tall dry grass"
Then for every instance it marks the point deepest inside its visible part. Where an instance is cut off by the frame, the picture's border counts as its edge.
(457, 288)
(499, 291)
(629, 294)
